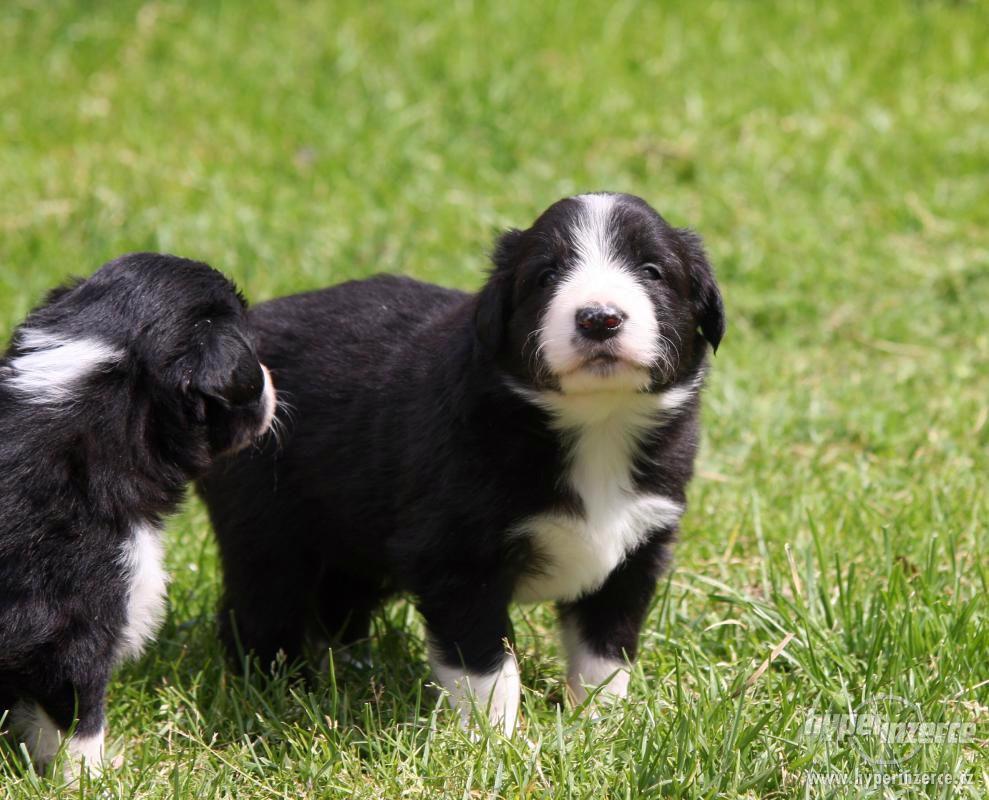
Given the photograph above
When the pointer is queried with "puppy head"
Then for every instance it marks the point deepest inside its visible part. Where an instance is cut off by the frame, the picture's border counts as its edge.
(223, 385)
(601, 294)
(153, 332)
(197, 349)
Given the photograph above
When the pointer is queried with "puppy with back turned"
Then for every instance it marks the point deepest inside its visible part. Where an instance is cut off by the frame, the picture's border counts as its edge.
(532, 442)
(114, 394)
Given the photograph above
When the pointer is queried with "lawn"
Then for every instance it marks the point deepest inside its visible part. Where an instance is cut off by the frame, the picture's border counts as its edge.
(834, 156)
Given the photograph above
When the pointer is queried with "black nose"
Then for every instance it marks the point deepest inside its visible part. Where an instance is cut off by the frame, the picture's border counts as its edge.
(599, 322)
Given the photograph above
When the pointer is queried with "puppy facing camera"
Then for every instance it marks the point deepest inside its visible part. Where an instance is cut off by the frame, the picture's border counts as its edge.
(531, 442)
(114, 394)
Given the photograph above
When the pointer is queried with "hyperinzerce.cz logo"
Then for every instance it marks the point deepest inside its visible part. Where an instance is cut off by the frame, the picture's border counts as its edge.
(887, 730)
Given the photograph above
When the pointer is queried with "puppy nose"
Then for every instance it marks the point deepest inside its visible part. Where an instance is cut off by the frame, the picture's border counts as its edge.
(599, 322)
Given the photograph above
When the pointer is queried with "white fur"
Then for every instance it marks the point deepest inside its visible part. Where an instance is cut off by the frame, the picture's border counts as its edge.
(498, 693)
(578, 552)
(586, 670)
(86, 751)
(30, 724)
(674, 398)
(575, 410)
(41, 736)
(600, 277)
(143, 559)
(52, 367)
(269, 400)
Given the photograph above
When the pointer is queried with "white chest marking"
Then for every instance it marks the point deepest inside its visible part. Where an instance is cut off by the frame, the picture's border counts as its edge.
(143, 560)
(578, 552)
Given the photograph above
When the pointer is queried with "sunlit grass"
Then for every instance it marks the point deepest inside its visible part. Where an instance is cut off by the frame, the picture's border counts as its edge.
(835, 159)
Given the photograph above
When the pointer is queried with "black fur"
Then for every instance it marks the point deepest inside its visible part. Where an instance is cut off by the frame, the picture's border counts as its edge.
(77, 476)
(409, 458)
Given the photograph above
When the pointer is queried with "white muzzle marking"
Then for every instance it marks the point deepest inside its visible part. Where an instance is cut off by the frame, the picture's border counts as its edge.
(599, 277)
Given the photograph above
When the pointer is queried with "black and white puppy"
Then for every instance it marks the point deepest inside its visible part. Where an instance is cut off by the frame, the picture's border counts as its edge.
(114, 393)
(532, 442)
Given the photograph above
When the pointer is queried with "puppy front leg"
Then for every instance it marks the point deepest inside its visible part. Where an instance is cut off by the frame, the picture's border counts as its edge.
(42, 724)
(471, 660)
(601, 629)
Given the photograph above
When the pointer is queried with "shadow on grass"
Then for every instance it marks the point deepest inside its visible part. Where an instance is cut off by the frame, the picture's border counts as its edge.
(200, 689)
(186, 688)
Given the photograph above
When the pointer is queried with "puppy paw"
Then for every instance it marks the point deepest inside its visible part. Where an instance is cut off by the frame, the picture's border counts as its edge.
(496, 693)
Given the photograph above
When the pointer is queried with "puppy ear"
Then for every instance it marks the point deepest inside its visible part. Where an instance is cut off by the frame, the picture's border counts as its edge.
(224, 370)
(492, 310)
(708, 304)
(221, 383)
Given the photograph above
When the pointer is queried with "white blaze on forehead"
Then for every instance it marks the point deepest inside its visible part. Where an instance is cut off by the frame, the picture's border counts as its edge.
(598, 276)
(592, 235)
(51, 368)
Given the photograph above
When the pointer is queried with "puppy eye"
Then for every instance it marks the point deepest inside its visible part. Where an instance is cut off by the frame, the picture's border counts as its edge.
(548, 277)
(651, 271)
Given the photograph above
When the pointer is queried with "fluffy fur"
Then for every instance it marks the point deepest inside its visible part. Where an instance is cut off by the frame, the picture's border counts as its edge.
(531, 442)
(114, 393)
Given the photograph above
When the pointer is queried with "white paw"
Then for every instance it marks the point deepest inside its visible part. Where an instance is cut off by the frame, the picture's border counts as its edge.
(84, 753)
(44, 740)
(588, 672)
(608, 684)
(498, 693)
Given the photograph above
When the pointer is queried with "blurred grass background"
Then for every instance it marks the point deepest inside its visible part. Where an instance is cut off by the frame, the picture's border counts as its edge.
(834, 156)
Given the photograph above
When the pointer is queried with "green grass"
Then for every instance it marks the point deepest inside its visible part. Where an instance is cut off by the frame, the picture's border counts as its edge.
(835, 156)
